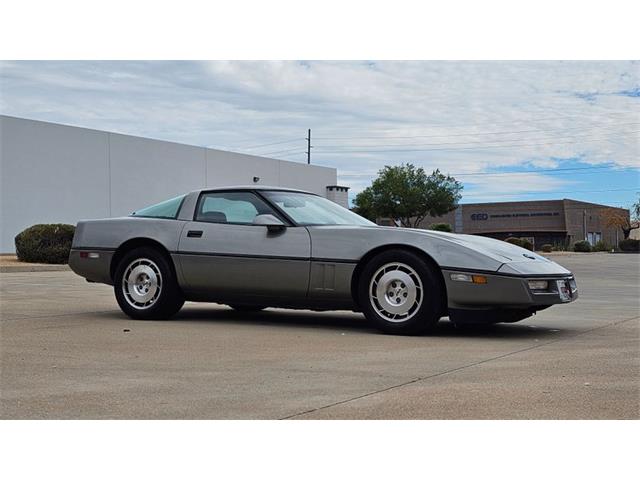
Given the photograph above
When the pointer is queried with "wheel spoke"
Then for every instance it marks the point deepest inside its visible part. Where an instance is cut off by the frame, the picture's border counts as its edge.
(142, 283)
(396, 292)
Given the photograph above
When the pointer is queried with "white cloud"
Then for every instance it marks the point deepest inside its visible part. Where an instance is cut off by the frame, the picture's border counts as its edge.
(463, 117)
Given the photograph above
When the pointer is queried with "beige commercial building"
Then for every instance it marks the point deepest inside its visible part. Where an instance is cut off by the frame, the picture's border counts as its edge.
(556, 222)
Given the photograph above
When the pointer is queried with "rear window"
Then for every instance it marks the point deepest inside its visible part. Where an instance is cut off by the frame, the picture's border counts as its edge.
(167, 209)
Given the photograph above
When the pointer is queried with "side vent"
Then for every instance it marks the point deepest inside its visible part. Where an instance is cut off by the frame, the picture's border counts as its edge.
(324, 276)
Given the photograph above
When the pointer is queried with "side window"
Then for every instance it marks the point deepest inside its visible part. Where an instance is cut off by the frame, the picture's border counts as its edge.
(230, 207)
(167, 209)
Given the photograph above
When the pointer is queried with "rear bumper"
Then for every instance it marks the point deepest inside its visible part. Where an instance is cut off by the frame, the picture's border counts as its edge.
(95, 266)
(507, 291)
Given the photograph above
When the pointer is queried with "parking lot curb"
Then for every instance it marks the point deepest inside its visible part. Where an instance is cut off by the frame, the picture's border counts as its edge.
(33, 268)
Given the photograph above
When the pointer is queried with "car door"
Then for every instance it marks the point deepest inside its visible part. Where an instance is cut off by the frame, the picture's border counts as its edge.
(221, 252)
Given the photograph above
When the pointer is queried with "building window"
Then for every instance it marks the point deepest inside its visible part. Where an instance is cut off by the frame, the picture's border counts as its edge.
(594, 237)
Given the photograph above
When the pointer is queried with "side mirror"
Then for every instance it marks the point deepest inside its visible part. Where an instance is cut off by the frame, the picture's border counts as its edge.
(272, 223)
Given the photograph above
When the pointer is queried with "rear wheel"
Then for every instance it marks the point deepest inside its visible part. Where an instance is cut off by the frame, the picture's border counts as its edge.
(400, 293)
(145, 285)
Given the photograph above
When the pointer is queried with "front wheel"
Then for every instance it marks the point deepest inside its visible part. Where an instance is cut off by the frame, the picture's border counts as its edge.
(400, 293)
(145, 285)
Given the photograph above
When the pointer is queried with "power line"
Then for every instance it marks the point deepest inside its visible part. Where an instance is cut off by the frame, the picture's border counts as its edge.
(457, 134)
(569, 192)
(458, 148)
(550, 170)
(589, 208)
(279, 151)
(301, 152)
(269, 144)
(509, 122)
(474, 134)
(469, 134)
(575, 136)
(524, 172)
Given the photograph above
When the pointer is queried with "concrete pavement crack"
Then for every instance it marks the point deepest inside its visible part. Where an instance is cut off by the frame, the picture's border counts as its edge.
(456, 369)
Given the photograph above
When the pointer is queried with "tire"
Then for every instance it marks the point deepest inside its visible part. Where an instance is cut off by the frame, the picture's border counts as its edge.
(247, 308)
(151, 292)
(400, 293)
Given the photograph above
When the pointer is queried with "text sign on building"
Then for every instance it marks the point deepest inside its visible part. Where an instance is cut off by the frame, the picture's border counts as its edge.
(486, 216)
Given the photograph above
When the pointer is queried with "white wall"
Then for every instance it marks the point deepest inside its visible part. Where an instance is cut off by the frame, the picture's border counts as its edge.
(52, 173)
(144, 172)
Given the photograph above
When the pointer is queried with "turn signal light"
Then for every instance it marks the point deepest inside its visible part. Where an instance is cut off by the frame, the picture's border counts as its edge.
(465, 277)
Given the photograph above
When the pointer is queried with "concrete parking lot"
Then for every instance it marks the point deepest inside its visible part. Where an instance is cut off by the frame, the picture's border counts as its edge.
(67, 351)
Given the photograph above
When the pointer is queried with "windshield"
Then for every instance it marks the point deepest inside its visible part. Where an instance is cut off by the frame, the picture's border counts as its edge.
(307, 209)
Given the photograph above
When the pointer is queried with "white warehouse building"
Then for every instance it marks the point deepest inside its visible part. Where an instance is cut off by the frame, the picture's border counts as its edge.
(52, 173)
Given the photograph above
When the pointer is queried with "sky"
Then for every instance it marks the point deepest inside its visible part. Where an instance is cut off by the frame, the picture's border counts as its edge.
(516, 130)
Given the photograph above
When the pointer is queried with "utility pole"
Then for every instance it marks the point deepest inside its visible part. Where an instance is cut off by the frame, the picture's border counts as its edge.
(309, 146)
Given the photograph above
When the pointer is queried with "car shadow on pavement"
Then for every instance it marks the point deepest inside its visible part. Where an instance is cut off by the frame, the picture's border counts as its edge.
(353, 322)
(323, 320)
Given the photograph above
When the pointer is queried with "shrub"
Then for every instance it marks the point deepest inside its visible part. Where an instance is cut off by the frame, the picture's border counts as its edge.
(601, 246)
(527, 244)
(514, 241)
(629, 245)
(547, 247)
(582, 246)
(441, 227)
(520, 242)
(45, 243)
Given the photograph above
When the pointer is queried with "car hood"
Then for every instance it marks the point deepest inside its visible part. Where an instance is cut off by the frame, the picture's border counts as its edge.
(502, 251)
(513, 259)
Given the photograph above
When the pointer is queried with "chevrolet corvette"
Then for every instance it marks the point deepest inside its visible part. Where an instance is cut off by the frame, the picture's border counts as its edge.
(257, 247)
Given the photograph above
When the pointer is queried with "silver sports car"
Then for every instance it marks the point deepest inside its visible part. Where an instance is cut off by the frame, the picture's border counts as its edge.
(257, 247)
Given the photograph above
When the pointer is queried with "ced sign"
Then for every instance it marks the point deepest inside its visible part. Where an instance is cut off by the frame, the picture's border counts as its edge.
(479, 216)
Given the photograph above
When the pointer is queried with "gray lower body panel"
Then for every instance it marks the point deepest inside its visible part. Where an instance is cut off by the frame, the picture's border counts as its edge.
(95, 266)
(230, 275)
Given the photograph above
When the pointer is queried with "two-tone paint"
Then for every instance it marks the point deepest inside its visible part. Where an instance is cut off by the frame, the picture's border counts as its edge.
(310, 266)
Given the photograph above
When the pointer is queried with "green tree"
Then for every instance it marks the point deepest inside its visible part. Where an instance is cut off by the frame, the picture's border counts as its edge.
(407, 193)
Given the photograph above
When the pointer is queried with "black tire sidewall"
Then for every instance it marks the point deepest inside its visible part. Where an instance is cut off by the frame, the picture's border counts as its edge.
(170, 299)
(430, 310)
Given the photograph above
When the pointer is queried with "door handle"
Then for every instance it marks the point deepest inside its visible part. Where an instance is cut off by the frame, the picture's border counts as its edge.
(194, 233)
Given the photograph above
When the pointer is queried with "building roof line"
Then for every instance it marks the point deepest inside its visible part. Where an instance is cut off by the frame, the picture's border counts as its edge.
(559, 200)
(109, 132)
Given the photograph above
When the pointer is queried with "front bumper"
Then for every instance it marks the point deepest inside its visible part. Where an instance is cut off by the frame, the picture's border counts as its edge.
(508, 291)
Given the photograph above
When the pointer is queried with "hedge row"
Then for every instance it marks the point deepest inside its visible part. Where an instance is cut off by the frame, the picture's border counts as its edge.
(45, 243)
(630, 245)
